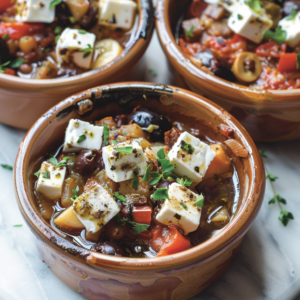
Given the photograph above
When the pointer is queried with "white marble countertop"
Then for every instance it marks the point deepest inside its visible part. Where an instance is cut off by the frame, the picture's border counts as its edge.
(266, 267)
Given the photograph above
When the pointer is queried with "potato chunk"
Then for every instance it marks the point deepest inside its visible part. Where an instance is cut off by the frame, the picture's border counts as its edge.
(68, 220)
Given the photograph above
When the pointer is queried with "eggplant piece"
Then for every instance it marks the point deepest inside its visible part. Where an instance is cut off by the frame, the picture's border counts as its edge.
(4, 52)
(145, 119)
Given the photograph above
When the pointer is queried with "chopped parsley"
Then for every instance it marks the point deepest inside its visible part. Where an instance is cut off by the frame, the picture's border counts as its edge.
(4, 66)
(199, 201)
(183, 205)
(72, 19)
(81, 31)
(57, 30)
(18, 225)
(255, 5)
(81, 138)
(278, 36)
(75, 192)
(124, 150)
(87, 51)
(37, 174)
(190, 31)
(7, 167)
(54, 3)
(46, 175)
(135, 180)
(54, 162)
(239, 17)
(16, 63)
(120, 197)
(187, 147)
(137, 227)
(155, 178)
(105, 133)
(285, 217)
(146, 176)
(160, 194)
(184, 181)
(114, 142)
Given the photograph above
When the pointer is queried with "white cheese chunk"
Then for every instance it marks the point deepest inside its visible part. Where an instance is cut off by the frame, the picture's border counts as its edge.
(95, 208)
(117, 13)
(292, 29)
(180, 209)
(51, 180)
(35, 11)
(249, 24)
(69, 44)
(120, 166)
(215, 2)
(194, 162)
(82, 135)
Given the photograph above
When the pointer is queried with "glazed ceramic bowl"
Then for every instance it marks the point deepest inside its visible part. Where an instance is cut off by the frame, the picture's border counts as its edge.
(23, 101)
(99, 276)
(268, 115)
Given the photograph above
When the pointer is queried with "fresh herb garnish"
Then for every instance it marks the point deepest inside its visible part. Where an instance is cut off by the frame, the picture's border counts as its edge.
(54, 162)
(254, 5)
(72, 20)
(75, 192)
(187, 147)
(161, 153)
(120, 197)
(124, 150)
(155, 178)
(18, 225)
(239, 17)
(4, 66)
(81, 138)
(16, 63)
(184, 181)
(7, 167)
(292, 15)
(46, 175)
(285, 217)
(137, 227)
(105, 133)
(298, 61)
(160, 194)
(81, 31)
(114, 142)
(190, 31)
(278, 36)
(262, 153)
(152, 72)
(146, 176)
(5, 37)
(135, 180)
(199, 201)
(37, 174)
(183, 205)
(271, 177)
(54, 3)
(87, 51)
(57, 30)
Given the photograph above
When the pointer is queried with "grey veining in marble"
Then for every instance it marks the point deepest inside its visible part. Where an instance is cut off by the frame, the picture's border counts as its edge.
(267, 266)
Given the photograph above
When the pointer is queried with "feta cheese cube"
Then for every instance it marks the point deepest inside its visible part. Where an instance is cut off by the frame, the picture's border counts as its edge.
(292, 29)
(35, 11)
(249, 24)
(117, 13)
(82, 135)
(191, 157)
(180, 209)
(51, 180)
(95, 208)
(69, 44)
(120, 166)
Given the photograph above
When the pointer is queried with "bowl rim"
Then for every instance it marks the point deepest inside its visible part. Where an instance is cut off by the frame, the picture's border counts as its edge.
(138, 41)
(235, 229)
(194, 73)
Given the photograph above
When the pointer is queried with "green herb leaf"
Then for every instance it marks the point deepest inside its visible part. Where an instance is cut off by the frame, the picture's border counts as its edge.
(5, 37)
(298, 61)
(89, 48)
(81, 31)
(114, 142)
(280, 199)
(86, 54)
(292, 15)
(105, 133)
(254, 5)
(2, 66)
(239, 17)
(124, 150)
(75, 192)
(62, 163)
(37, 174)
(160, 194)
(272, 201)
(16, 63)
(187, 147)
(271, 177)
(183, 205)
(81, 138)
(46, 175)
(138, 228)
(262, 153)
(199, 201)
(120, 197)
(184, 181)
(54, 3)
(190, 31)
(279, 36)
(72, 20)
(146, 176)
(285, 217)
(7, 167)
(57, 38)
(169, 168)
(18, 225)
(169, 174)
(135, 180)
(153, 72)
(154, 181)
(57, 30)
(161, 153)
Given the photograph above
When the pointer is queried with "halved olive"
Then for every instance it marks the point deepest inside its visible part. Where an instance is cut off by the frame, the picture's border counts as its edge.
(246, 67)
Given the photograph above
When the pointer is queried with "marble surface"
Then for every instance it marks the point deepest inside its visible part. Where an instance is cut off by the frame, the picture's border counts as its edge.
(267, 266)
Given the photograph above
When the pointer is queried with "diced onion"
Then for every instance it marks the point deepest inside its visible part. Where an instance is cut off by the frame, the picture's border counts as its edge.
(237, 148)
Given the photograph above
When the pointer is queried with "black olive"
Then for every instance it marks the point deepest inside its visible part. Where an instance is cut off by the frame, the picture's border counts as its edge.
(145, 118)
(63, 14)
(89, 19)
(4, 52)
(221, 70)
(206, 57)
(288, 7)
(164, 184)
(87, 162)
(109, 248)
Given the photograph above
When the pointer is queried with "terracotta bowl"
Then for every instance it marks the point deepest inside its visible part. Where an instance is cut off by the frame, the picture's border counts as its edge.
(99, 276)
(268, 115)
(23, 101)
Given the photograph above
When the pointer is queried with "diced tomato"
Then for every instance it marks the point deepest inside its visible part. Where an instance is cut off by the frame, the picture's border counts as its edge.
(92, 182)
(287, 63)
(196, 8)
(4, 4)
(270, 49)
(18, 30)
(9, 72)
(173, 242)
(142, 214)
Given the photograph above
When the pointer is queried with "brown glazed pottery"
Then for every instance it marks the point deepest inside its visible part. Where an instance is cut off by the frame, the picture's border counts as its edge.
(268, 115)
(23, 101)
(99, 276)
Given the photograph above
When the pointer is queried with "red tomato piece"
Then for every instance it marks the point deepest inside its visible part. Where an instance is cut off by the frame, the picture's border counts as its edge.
(174, 242)
(10, 72)
(287, 63)
(270, 49)
(18, 30)
(4, 4)
(196, 8)
(142, 214)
